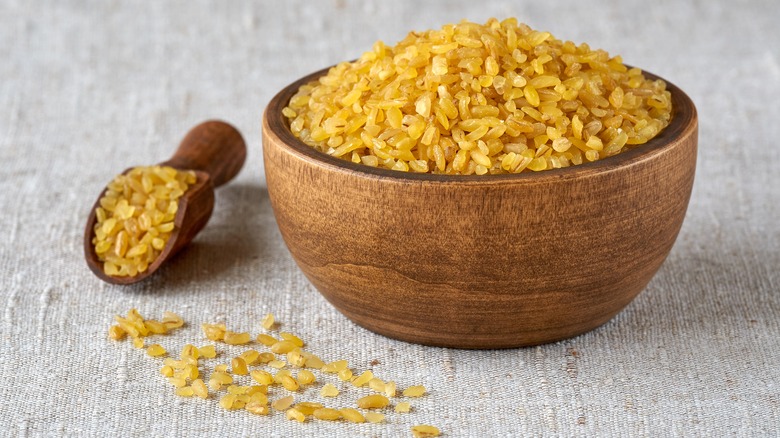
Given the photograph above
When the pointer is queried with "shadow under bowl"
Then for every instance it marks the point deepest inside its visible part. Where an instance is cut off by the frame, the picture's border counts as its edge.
(493, 261)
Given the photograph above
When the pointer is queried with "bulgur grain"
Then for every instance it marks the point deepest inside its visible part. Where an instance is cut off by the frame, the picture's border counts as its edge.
(462, 100)
(425, 430)
(329, 390)
(135, 217)
(373, 401)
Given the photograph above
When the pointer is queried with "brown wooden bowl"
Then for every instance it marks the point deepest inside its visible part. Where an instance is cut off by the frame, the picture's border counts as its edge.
(490, 261)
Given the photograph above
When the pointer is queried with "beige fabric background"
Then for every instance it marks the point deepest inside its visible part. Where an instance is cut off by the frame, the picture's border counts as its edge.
(89, 88)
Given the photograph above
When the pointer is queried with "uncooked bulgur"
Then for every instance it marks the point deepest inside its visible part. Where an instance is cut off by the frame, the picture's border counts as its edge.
(479, 99)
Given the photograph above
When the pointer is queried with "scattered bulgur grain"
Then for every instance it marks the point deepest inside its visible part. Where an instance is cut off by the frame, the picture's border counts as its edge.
(298, 342)
(156, 327)
(208, 351)
(362, 379)
(345, 375)
(414, 391)
(377, 385)
(390, 389)
(116, 333)
(334, 367)
(266, 340)
(233, 338)
(373, 401)
(228, 401)
(295, 358)
(254, 398)
(306, 377)
(238, 366)
(221, 377)
(307, 408)
(424, 431)
(172, 320)
(352, 415)
(259, 397)
(268, 321)
(327, 414)
(262, 377)
(277, 364)
(294, 414)
(283, 347)
(250, 356)
(185, 391)
(190, 350)
(329, 390)
(177, 381)
(199, 388)
(214, 332)
(257, 408)
(289, 383)
(257, 389)
(265, 357)
(374, 417)
(314, 362)
(282, 404)
(237, 389)
(403, 407)
(155, 350)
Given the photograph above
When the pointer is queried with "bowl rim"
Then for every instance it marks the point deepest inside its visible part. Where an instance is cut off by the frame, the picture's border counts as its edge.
(682, 125)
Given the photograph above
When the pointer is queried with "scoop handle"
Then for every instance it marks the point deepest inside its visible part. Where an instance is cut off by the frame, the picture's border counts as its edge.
(214, 147)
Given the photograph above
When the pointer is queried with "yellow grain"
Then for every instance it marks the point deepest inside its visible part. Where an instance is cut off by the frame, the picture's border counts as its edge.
(329, 390)
(268, 321)
(125, 216)
(374, 417)
(307, 408)
(414, 391)
(283, 403)
(266, 340)
(373, 401)
(116, 333)
(298, 342)
(257, 408)
(238, 366)
(327, 414)
(425, 431)
(362, 379)
(403, 407)
(306, 377)
(335, 367)
(233, 338)
(199, 388)
(462, 78)
(208, 351)
(294, 414)
(262, 377)
(185, 391)
(352, 415)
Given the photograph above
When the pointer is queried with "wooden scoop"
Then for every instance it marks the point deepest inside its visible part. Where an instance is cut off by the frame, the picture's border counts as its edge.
(216, 152)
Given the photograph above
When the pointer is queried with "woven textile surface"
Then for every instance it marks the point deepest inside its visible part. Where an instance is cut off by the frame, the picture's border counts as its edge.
(90, 88)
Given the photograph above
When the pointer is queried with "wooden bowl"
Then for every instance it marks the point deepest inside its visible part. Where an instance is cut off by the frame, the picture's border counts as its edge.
(480, 261)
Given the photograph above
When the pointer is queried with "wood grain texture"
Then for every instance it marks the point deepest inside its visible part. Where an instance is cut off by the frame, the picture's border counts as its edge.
(216, 152)
(481, 261)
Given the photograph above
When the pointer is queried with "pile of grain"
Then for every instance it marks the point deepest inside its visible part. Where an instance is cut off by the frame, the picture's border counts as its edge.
(135, 217)
(479, 99)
